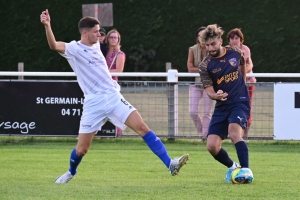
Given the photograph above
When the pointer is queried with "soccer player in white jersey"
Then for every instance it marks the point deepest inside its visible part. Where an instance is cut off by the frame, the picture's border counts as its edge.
(103, 100)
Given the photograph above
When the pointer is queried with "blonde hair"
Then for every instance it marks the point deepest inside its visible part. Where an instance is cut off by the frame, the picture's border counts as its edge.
(118, 47)
(211, 32)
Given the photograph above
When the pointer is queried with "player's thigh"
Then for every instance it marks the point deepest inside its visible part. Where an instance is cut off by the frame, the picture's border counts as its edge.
(239, 113)
(219, 124)
(93, 115)
(121, 110)
(235, 132)
(136, 123)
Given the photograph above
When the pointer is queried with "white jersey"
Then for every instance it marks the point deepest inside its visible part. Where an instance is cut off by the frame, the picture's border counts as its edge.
(90, 67)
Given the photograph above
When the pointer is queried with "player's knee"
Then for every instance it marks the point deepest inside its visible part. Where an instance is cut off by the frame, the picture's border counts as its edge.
(81, 151)
(235, 137)
(212, 149)
(145, 128)
(142, 129)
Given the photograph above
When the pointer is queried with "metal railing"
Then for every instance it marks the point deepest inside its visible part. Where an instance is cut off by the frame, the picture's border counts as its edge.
(164, 104)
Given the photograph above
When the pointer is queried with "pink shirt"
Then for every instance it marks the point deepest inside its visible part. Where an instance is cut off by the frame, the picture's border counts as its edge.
(109, 60)
(249, 63)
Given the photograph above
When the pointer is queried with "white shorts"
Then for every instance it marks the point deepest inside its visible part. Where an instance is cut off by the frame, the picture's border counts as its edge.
(97, 109)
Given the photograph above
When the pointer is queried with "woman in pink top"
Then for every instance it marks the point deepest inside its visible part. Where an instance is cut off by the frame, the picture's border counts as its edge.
(236, 38)
(115, 58)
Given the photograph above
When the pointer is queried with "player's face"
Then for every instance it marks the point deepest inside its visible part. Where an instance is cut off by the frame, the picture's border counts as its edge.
(235, 41)
(93, 34)
(213, 46)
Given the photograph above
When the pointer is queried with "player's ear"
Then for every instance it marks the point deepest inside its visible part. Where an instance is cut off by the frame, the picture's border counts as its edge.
(84, 32)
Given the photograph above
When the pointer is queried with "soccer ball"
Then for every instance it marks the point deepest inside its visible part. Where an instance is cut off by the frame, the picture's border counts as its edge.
(236, 171)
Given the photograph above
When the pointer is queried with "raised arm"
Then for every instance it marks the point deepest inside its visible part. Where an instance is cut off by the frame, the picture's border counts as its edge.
(53, 44)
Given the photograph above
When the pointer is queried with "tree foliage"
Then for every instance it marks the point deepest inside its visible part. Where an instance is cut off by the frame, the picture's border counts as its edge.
(161, 31)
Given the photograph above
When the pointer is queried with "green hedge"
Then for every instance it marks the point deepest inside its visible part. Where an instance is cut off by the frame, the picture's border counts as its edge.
(154, 31)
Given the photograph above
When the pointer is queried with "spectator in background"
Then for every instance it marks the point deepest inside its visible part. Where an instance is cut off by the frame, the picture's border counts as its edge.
(197, 92)
(235, 38)
(103, 45)
(115, 58)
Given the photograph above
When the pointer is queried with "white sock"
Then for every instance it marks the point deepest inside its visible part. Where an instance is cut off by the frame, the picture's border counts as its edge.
(233, 166)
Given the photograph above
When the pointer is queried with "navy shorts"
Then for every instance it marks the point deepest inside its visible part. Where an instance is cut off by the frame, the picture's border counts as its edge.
(226, 114)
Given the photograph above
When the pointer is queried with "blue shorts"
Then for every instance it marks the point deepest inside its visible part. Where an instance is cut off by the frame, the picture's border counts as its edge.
(226, 114)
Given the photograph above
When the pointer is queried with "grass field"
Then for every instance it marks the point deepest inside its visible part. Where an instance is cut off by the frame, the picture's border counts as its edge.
(126, 169)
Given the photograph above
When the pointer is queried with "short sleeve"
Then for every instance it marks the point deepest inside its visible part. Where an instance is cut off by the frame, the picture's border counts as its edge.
(71, 49)
(204, 74)
(242, 60)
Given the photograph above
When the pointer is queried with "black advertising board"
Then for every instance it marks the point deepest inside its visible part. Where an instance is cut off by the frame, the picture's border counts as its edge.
(43, 108)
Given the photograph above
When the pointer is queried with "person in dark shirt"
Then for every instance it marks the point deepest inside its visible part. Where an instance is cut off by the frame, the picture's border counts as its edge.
(103, 44)
(223, 75)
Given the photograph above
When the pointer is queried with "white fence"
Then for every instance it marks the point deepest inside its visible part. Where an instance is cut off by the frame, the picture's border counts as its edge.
(164, 104)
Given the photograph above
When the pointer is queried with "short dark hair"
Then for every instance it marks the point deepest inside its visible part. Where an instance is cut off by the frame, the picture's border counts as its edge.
(237, 32)
(87, 23)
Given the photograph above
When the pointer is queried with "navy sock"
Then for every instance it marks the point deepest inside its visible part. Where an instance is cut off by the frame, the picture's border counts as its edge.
(242, 153)
(74, 162)
(223, 158)
(157, 147)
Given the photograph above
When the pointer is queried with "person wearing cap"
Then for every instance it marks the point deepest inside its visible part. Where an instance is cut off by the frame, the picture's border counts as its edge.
(103, 45)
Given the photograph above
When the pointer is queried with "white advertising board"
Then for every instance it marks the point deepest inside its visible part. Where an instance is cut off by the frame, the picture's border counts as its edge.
(287, 111)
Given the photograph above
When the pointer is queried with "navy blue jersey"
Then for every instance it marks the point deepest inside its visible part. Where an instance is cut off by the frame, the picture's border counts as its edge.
(223, 73)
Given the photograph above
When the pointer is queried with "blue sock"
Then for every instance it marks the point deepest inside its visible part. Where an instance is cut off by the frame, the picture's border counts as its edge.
(74, 162)
(157, 147)
(242, 153)
(223, 158)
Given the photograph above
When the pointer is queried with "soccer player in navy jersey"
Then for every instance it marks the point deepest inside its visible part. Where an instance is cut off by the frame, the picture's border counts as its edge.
(223, 75)
(103, 100)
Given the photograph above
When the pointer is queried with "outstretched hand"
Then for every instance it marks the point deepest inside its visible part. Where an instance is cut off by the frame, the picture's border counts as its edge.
(45, 17)
(220, 95)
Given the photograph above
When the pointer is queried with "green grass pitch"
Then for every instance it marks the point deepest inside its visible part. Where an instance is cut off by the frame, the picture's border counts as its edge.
(127, 169)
